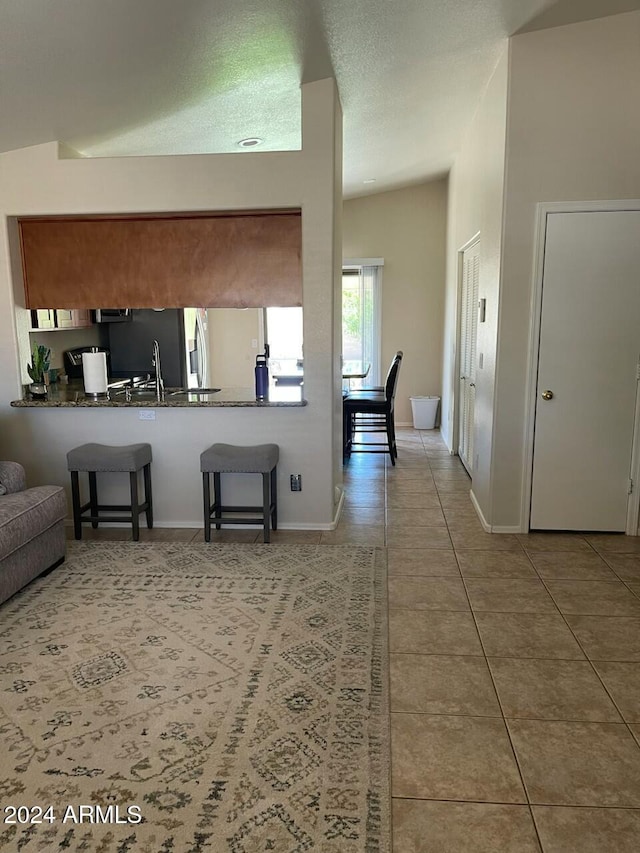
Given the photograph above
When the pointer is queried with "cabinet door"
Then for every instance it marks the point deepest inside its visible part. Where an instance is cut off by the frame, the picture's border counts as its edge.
(73, 318)
(64, 319)
(43, 318)
(81, 317)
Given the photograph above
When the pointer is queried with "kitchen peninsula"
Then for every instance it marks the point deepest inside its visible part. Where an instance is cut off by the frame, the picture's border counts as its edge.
(301, 185)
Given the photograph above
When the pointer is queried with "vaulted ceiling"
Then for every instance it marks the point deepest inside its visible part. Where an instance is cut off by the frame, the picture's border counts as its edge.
(142, 77)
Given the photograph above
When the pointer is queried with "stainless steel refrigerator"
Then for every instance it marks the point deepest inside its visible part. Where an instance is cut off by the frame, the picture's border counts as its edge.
(183, 339)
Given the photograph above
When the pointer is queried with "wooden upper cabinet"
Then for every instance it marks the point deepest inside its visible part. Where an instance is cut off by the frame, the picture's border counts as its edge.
(171, 261)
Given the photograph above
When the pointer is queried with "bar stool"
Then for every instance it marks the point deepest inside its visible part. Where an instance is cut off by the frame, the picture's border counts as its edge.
(93, 458)
(232, 459)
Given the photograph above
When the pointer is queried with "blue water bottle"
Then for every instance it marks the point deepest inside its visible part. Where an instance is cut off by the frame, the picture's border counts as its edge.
(262, 377)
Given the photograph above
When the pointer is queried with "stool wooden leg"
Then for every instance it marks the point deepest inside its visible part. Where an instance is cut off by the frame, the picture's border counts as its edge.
(93, 497)
(274, 498)
(135, 512)
(207, 506)
(75, 500)
(217, 497)
(147, 495)
(266, 507)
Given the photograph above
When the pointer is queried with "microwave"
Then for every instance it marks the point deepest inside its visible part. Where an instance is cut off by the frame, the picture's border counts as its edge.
(112, 315)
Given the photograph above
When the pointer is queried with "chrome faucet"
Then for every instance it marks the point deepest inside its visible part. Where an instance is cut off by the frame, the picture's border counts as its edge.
(155, 361)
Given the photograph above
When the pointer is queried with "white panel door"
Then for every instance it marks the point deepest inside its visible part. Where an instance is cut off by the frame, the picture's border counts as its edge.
(587, 371)
(468, 352)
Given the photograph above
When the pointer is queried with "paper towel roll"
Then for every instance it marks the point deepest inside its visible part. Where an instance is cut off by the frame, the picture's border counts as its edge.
(94, 370)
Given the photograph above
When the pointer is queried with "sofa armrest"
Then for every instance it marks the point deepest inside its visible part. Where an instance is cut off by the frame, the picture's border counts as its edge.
(12, 478)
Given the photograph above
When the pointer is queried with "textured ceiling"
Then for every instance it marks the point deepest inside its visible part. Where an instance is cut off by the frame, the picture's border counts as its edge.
(139, 77)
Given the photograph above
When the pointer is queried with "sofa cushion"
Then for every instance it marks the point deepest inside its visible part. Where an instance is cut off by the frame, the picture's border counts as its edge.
(27, 514)
(12, 478)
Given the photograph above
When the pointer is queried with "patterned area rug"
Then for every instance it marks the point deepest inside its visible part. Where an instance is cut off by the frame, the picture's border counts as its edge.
(197, 698)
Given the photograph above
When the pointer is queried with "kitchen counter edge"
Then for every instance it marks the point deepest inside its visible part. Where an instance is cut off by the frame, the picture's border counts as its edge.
(222, 401)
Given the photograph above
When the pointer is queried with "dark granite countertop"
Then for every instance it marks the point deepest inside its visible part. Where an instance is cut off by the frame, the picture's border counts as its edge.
(73, 396)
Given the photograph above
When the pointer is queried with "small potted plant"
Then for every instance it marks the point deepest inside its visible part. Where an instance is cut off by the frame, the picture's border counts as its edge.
(40, 360)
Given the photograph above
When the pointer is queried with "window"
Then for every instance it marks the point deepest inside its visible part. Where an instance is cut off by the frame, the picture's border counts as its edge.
(361, 316)
(283, 334)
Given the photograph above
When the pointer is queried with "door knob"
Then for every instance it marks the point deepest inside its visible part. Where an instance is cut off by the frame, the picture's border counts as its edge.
(547, 395)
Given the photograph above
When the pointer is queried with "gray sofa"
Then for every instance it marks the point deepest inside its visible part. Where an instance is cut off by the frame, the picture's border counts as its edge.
(32, 537)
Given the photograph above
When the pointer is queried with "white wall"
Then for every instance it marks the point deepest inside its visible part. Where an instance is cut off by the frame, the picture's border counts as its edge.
(63, 339)
(407, 228)
(36, 181)
(573, 134)
(476, 185)
(232, 357)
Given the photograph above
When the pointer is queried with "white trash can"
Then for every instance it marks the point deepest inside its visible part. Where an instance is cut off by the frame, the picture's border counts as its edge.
(424, 411)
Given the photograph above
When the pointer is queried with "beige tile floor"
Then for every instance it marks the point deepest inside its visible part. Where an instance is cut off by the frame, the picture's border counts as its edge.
(515, 665)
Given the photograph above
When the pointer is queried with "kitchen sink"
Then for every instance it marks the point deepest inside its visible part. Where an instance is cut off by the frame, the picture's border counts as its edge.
(138, 392)
(196, 391)
(148, 391)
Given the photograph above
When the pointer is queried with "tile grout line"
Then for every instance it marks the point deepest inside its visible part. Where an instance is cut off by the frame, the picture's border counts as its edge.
(486, 662)
(504, 719)
(634, 737)
(623, 721)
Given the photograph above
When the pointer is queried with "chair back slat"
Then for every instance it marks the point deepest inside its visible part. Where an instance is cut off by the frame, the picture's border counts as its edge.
(392, 377)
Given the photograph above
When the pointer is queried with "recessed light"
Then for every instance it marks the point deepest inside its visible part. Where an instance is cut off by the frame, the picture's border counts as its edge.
(250, 142)
(369, 181)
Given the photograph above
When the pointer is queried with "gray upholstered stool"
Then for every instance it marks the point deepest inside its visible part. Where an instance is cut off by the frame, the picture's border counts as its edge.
(103, 457)
(232, 459)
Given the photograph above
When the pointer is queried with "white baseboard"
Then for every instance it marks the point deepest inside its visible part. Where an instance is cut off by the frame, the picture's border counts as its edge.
(495, 528)
(339, 508)
(483, 521)
(410, 425)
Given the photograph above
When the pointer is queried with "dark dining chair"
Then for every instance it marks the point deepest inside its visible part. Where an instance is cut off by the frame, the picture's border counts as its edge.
(376, 389)
(372, 411)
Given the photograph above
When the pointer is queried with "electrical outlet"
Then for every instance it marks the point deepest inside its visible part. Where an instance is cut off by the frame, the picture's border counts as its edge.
(296, 482)
(147, 414)
(254, 343)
